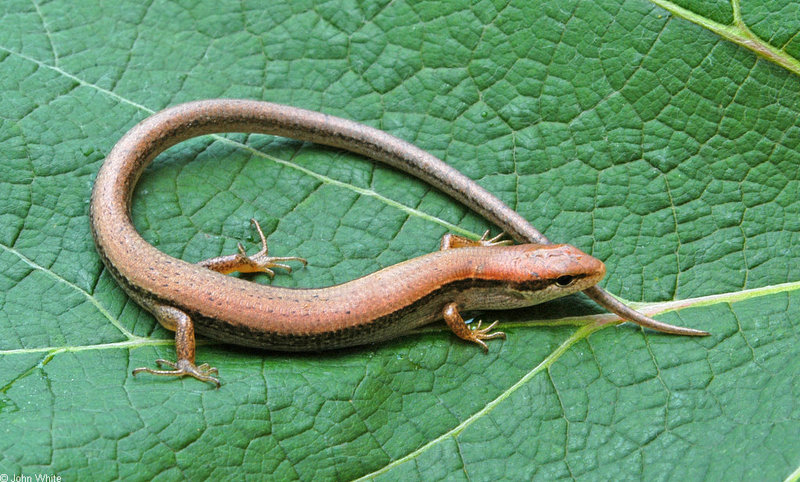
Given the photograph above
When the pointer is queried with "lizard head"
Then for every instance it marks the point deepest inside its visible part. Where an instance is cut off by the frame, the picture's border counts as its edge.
(529, 274)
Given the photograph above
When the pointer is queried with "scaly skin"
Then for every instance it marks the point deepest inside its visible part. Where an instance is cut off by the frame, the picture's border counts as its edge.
(465, 275)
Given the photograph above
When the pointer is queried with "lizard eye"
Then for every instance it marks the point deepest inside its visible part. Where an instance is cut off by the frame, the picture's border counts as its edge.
(565, 280)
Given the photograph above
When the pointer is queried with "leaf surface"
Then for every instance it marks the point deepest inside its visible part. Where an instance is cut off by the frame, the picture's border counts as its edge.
(653, 143)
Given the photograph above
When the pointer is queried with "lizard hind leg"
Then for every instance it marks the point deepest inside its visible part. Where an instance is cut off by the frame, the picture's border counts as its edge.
(451, 241)
(175, 319)
(260, 262)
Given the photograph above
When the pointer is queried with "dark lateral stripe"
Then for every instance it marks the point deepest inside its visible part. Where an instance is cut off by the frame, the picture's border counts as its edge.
(134, 291)
(380, 329)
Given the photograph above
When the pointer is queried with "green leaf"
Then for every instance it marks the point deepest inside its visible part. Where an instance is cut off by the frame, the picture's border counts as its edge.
(659, 146)
(772, 36)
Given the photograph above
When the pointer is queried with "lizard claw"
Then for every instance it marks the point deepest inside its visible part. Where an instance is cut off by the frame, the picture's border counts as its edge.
(183, 368)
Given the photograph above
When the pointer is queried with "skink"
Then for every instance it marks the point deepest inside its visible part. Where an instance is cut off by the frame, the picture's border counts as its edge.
(463, 275)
